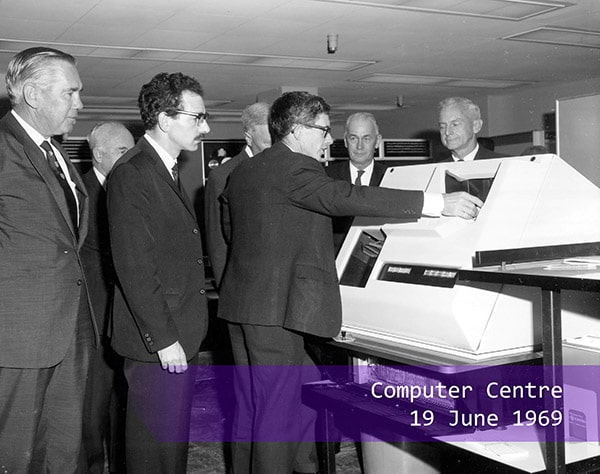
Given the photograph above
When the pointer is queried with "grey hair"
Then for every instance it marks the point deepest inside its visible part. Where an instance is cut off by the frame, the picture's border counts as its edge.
(365, 116)
(32, 65)
(470, 109)
(255, 114)
(95, 138)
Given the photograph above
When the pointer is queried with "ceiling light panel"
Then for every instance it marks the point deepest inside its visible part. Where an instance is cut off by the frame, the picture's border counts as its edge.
(559, 36)
(439, 80)
(514, 10)
(174, 55)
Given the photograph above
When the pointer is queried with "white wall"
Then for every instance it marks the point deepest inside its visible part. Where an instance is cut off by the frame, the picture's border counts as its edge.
(511, 112)
(523, 110)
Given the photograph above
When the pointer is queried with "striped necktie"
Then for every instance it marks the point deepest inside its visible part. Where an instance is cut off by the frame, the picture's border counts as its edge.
(62, 180)
(357, 181)
(175, 173)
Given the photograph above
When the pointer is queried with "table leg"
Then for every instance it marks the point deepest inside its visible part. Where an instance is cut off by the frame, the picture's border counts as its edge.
(326, 448)
(552, 357)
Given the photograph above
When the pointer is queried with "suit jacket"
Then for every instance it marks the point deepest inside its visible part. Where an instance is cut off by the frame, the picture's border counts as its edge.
(157, 254)
(41, 276)
(216, 247)
(96, 256)
(341, 170)
(281, 269)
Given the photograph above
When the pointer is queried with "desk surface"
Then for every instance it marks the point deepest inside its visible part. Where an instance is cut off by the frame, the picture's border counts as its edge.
(547, 274)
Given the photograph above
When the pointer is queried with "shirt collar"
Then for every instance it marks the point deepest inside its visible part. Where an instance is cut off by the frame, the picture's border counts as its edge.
(248, 151)
(164, 155)
(366, 169)
(366, 176)
(36, 136)
(469, 156)
(101, 177)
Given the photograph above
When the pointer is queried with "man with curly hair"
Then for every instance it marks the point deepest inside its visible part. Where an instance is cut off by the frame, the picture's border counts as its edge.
(160, 314)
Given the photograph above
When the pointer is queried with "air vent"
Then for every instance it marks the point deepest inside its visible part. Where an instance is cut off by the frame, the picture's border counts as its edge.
(79, 152)
(413, 150)
(409, 149)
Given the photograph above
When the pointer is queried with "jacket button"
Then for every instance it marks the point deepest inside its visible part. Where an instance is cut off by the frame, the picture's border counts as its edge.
(65, 252)
(202, 291)
(199, 261)
(195, 231)
(79, 282)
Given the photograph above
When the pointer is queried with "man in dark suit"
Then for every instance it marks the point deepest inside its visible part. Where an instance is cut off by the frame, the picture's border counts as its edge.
(362, 138)
(47, 327)
(256, 134)
(460, 122)
(160, 314)
(108, 141)
(280, 287)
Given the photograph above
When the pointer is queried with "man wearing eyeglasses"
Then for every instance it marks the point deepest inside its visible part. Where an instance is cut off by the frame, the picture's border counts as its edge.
(280, 287)
(160, 314)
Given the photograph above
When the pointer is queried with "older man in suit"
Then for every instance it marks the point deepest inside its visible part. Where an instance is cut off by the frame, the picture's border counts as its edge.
(460, 122)
(47, 327)
(108, 141)
(160, 313)
(362, 138)
(280, 287)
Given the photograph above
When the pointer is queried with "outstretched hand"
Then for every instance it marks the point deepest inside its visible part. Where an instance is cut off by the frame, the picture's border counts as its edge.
(461, 204)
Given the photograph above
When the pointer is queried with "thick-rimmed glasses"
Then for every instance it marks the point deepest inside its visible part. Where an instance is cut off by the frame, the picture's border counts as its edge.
(325, 129)
(200, 116)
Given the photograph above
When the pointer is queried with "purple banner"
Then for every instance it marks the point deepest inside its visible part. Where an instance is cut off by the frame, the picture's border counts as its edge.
(391, 403)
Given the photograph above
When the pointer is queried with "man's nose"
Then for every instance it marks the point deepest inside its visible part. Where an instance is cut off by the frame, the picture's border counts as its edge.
(204, 127)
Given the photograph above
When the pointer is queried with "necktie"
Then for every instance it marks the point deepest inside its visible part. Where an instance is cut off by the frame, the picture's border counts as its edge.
(357, 181)
(175, 173)
(62, 180)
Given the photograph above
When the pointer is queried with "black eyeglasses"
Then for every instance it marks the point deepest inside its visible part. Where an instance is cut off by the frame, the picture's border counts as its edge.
(325, 129)
(200, 116)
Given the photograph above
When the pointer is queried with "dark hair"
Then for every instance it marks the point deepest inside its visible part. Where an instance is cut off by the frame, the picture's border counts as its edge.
(163, 94)
(294, 108)
(32, 65)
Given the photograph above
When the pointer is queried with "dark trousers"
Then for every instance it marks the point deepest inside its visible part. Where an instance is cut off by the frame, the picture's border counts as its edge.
(158, 417)
(273, 431)
(42, 410)
(105, 425)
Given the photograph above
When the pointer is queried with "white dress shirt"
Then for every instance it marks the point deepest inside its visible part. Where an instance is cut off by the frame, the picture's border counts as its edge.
(38, 139)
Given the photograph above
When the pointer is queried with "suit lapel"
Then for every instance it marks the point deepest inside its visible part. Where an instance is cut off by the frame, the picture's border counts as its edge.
(162, 171)
(38, 160)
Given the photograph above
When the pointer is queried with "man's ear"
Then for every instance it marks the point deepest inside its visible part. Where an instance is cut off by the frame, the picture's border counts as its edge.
(477, 124)
(163, 121)
(31, 95)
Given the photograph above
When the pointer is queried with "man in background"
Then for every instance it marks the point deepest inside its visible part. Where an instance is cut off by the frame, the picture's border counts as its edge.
(47, 326)
(108, 141)
(160, 313)
(362, 138)
(460, 122)
(256, 134)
